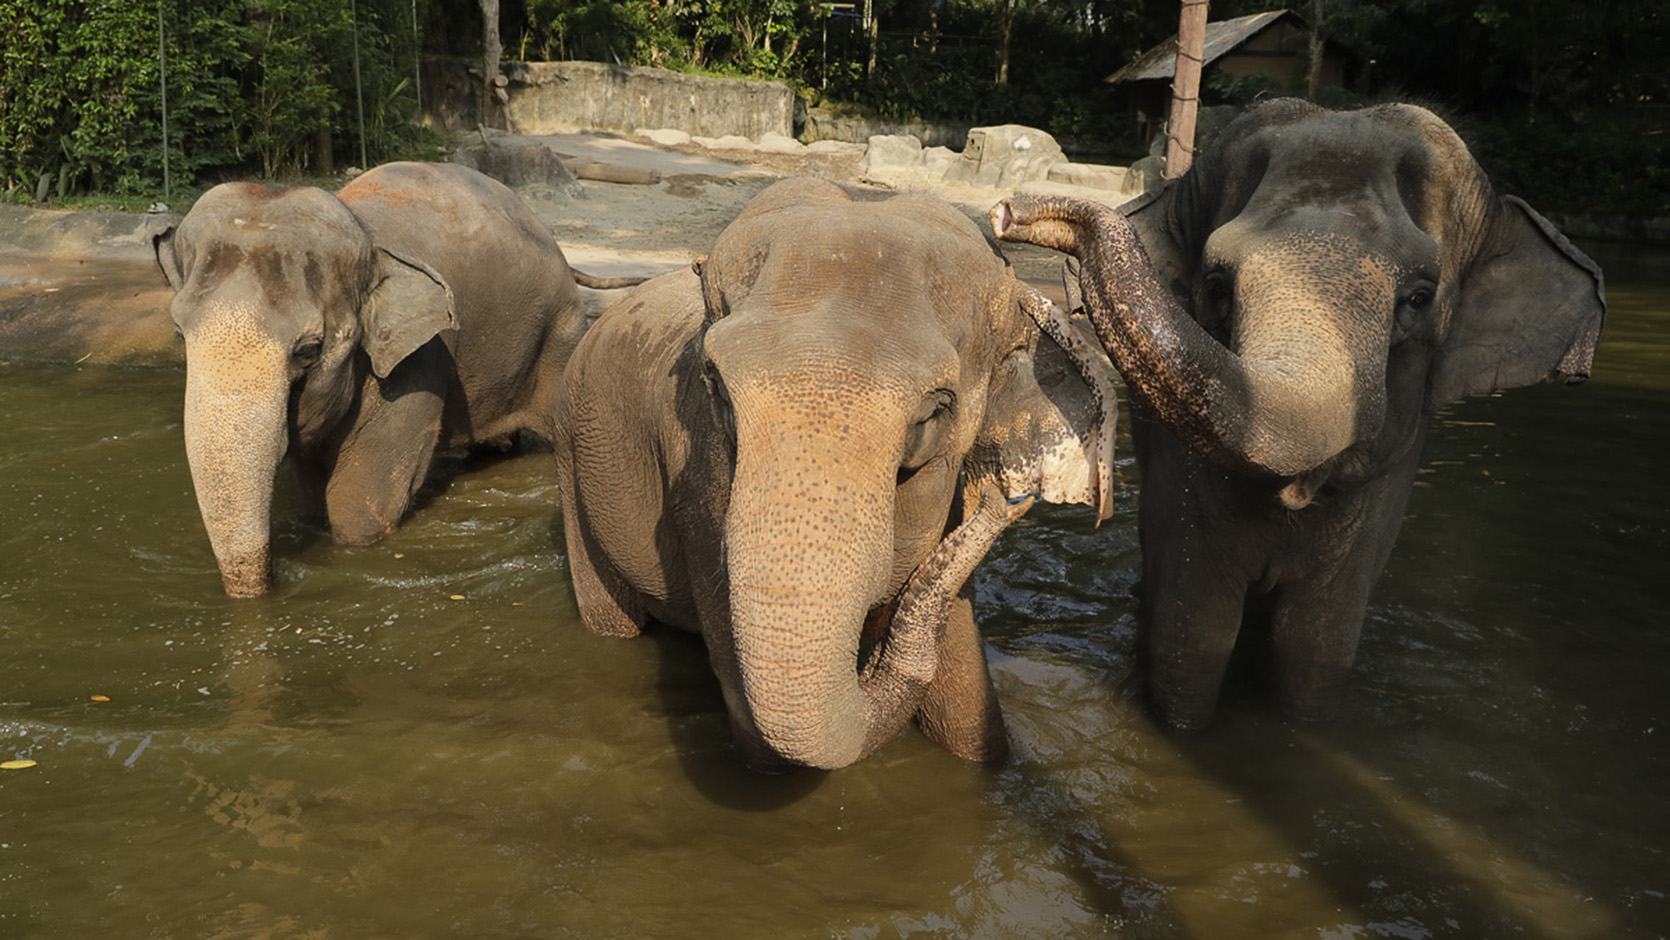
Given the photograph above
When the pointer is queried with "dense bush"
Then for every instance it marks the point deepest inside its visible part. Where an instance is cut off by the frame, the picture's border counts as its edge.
(1565, 103)
(262, 85)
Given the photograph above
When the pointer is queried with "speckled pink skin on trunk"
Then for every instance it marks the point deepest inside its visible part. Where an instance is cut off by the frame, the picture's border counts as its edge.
(1288, 316)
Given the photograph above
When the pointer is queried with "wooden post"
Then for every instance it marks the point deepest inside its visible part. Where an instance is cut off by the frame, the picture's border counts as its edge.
(491, 50)
(1313, 73)
(162, 74)
(359, 89)
(1185, 87)
(872, 27)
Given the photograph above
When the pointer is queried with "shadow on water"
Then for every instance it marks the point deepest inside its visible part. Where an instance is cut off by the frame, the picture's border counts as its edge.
(699, 729)
(698, 723)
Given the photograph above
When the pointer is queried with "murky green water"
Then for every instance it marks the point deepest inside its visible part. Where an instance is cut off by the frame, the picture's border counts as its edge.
(418, 739)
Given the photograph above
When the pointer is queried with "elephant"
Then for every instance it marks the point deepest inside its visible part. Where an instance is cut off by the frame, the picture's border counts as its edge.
(802, 446)
(422, 306)
(1288, 318)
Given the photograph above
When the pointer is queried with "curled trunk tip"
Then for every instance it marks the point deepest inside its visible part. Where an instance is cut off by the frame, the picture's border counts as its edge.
(247, 575)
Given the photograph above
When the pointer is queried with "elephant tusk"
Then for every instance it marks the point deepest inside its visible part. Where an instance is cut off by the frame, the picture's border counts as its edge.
(1300, 491)
(1096, 370)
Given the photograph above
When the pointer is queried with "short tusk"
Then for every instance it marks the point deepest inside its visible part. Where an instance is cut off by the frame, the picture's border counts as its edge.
(1096, 370)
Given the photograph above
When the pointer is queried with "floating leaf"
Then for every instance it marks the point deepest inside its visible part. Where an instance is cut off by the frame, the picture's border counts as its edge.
(400, 554)
(516, 603)
(457, 597)
(17, 765)
(100, 698)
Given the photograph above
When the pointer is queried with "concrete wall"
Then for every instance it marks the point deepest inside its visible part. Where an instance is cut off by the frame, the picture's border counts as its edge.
(825, 125)
(564, 97)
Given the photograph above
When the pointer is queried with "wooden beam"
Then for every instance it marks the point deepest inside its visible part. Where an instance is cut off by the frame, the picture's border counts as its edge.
(1185, 87)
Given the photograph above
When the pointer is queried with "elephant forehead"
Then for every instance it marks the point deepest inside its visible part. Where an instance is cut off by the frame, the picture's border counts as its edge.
(830, 345)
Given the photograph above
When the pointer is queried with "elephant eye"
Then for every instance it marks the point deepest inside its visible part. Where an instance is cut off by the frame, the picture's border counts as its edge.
(927, 432)
(1217, 292)
(307, 352)
(715, 384)
(1216, 287)
(720, 398)
(1416, 301)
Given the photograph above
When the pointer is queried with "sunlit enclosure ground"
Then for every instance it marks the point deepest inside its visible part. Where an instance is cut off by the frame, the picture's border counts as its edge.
(419, 739)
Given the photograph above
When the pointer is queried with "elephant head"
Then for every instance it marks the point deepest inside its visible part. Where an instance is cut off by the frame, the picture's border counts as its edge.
(277, 294)
(1288, 316)
(864, 366)
(1318, 281)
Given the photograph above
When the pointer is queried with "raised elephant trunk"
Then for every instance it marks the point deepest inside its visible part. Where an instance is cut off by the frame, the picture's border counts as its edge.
(235, 410)
(801, 586)
(1295, 394)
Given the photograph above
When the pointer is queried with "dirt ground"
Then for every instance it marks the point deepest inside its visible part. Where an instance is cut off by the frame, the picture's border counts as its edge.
(81, 286)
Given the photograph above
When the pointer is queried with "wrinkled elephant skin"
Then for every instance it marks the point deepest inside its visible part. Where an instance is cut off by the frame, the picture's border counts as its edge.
(421, 307)
(806, 446)
(1288, 316)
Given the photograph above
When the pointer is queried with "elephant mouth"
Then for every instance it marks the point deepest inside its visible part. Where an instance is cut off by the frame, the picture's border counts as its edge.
(959, 550)
(1300, 491)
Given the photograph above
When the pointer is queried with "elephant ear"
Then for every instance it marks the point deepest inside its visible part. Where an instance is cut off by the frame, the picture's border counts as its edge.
(410, 304)
(1153, 217)
(168, 259)
(713, 299)
(1531, 307)
(1050, 414)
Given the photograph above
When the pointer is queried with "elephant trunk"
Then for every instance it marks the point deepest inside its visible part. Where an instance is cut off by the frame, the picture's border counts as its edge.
(237, 400)
(1300, 391)
(809, 555)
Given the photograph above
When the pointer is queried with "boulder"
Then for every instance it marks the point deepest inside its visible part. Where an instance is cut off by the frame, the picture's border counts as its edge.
(891, 151)
(1089, 175)
(773, 142)
(839, 148)
(1004, 156)
(1145, 174)
(727, 142)
(937, 161)
(665, 136)
(517, 162)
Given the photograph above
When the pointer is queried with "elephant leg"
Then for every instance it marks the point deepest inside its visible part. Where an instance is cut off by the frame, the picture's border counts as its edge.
(608, 606)
(1314, 632)
(311, 480)
(383, 460)
(1318, 620)
(1192, 617)
(961, 710)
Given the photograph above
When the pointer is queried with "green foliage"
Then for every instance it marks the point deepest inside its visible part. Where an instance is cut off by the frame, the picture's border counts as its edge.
(1567, 101)
(264, 85)
(1620, 164)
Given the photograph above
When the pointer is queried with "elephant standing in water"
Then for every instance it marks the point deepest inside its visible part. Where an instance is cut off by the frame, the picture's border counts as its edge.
(1311, 293)
(773, 452)
(422, 306)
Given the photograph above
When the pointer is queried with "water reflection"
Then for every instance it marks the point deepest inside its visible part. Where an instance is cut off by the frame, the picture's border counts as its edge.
(419, 739)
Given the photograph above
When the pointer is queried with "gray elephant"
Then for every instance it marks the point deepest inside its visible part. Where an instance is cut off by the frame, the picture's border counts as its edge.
(807, 447)
(1326, 281)
(422, 306)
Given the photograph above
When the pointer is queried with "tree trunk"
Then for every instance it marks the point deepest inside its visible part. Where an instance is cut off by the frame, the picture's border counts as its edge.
(1003, 47)
(1185, 88)
(870, 66)
(1313, 73)
(491, 50)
